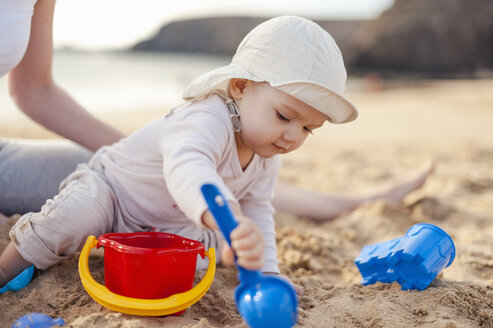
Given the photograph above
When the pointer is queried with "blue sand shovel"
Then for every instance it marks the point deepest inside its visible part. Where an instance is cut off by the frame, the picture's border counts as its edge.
(263, 301)
(37, 320)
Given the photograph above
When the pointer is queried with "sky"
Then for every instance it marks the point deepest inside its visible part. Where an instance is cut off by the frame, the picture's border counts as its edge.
(113, 24)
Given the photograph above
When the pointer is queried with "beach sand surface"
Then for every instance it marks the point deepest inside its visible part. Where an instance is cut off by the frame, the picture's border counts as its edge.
(399, 128)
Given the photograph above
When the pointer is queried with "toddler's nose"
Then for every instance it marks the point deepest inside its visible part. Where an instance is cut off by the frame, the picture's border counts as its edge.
(291, 136)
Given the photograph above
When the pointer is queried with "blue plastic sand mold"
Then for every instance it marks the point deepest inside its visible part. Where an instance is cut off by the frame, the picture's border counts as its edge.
(412, 260)
(37, 320)
(19, 282)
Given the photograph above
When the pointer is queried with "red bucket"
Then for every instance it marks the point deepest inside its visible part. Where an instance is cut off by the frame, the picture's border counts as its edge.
(149, 265)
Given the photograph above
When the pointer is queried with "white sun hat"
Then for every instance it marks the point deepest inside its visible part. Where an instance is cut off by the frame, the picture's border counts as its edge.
(293, 54)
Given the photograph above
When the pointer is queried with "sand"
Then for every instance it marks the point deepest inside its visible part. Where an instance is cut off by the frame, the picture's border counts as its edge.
(399, 128)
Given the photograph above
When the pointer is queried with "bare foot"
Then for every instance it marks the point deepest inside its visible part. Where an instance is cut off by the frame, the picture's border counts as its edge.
(396, 190)
(325, 207)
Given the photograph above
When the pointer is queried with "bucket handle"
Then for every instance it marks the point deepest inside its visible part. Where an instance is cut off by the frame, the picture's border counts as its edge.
(138, 306)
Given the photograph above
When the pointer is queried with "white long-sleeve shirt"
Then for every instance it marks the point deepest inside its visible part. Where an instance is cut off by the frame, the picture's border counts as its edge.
(157, 172)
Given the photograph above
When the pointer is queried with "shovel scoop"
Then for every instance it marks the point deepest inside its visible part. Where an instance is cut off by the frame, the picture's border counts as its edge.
(263, 301)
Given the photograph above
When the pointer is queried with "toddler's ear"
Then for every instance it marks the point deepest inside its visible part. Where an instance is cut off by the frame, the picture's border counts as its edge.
(237, 88)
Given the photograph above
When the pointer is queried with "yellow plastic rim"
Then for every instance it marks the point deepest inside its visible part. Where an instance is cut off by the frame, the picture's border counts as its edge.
(138, 306)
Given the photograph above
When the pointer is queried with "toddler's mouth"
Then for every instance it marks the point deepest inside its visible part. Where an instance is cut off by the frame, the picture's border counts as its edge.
(281, 149)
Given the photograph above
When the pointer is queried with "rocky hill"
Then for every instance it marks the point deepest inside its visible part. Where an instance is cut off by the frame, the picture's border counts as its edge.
(434, 37)
(221, 35)
(437, 37)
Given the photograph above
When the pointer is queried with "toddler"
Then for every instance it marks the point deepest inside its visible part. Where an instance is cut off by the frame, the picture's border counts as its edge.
(285, 80)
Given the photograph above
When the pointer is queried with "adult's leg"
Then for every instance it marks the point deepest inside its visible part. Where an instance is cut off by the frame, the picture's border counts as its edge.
(324, 207)
(31, 171)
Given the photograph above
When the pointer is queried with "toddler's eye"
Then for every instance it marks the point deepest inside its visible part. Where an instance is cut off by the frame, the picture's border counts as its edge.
(308, 130)
(282, 117)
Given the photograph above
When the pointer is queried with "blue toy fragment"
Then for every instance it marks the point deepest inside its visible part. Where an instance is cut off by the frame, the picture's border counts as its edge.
(37, 320)
(412, 260)
(19, 282)
(373, 261)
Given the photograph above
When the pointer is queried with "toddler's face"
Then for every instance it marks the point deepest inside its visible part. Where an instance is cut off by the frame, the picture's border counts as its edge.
(273, 122)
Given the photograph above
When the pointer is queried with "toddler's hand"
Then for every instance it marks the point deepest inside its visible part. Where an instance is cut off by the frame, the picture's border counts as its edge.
(298, 288)
(247, 240)
(248, 243)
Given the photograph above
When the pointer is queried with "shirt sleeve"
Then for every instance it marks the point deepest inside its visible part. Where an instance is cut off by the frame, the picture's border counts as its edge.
(192, 146)
(257, 206)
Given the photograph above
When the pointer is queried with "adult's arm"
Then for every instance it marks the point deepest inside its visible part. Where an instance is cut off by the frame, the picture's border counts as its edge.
(34, 91)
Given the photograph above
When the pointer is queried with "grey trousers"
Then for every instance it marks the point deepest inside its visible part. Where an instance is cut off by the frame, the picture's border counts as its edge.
(31, 171)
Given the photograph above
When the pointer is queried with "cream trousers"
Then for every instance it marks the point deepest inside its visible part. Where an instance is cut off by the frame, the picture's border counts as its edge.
(85, 206)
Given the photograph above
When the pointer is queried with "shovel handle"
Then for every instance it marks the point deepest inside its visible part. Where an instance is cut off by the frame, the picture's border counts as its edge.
(221, 211)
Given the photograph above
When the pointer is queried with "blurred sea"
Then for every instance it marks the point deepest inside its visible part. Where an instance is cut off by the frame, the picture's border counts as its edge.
(122, 81)
(109, 82)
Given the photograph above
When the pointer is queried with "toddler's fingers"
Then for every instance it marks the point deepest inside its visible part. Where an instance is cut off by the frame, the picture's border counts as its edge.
(227, 255)
(243, 229)
(247, 242)
(298, 289)
(252, 253)
(250, 264)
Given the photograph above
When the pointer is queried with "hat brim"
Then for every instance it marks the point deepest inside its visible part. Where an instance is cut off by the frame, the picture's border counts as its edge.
(337, 108)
